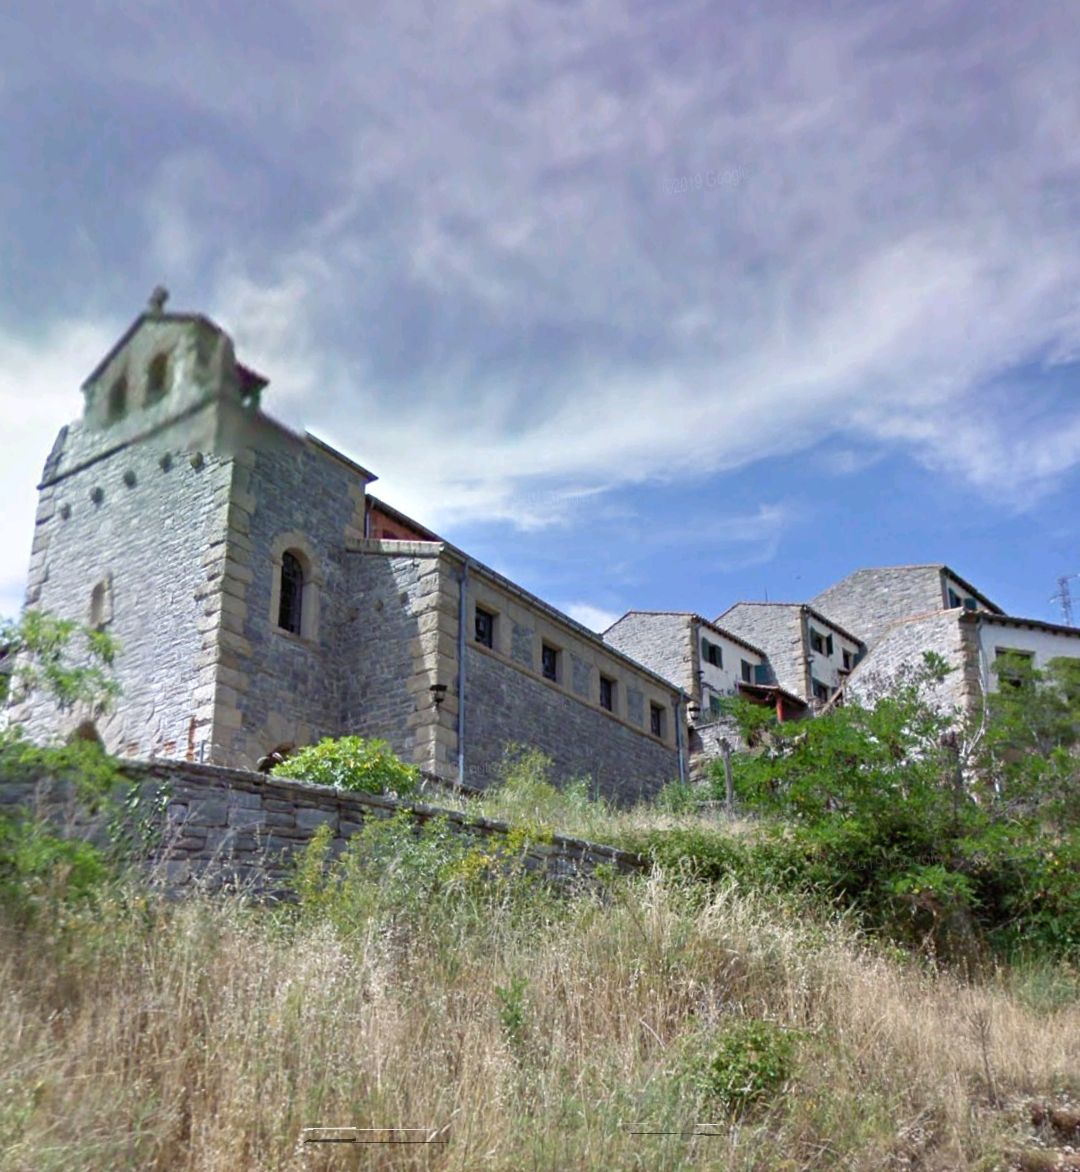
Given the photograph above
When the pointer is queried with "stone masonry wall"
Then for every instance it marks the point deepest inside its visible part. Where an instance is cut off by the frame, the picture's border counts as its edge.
(777, 628)
(504, 705)
(868, 602)
(386, 692)
(289, 690)
(661, 642)
(901, 651)
(223, 827)
(141, 521)
(705, 744)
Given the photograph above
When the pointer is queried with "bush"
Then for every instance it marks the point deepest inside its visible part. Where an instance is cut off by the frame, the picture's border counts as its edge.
(398, 870)
(753, 1060)
(351, 763)
(707, 855)
(85, 764)
(678, 797)
(39, 871)
(526, 797)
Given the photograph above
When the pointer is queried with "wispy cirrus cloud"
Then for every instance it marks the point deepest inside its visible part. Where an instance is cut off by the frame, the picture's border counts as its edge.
(451, 238)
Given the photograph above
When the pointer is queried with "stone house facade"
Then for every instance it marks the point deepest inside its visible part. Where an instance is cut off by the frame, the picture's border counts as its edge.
(900, 650)
(903, 612)
(970, 642)
(709, 664)
(262, 599)
(809, 655)
(869, 601)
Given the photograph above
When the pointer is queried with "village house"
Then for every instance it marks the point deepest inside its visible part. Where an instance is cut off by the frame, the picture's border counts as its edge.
(973, 644)
(870, 601)
(710, 664)
(809, 655)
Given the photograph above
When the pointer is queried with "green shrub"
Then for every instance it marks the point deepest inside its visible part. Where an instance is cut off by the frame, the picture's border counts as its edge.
(351, 763)
(525, 796)
(402, 870)
(391, 867)
(678, 797)
(752, 1061)
(84, 763)
(703, 854)
(513, 1013)
(40, 871)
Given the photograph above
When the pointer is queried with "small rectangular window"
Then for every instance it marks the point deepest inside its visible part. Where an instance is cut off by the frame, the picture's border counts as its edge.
(847, 660)
(656, 720)
(747, 672)
(817, 641)
(713, 653)
(828, 645)
(1013, 668)
(607, 693)
(549, 662)
(954, 599)
(485, 627)
(821, 691)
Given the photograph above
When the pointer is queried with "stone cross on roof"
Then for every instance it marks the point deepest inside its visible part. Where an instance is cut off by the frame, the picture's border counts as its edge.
(156, 303)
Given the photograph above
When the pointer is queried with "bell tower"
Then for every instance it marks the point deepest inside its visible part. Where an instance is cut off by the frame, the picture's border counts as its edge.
(132, 527)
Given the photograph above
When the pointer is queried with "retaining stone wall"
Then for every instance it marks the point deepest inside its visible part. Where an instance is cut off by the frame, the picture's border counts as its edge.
(225, 828)
(705, 744)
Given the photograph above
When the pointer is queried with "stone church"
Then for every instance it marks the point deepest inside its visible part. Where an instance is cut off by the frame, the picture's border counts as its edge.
(263, 599)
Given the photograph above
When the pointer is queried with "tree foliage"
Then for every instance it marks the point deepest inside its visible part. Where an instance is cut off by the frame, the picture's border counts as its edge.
(949, 835)
(1030, 754)
(69, 663)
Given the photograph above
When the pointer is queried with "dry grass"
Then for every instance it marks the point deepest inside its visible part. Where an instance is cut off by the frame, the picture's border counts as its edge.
(206, 1035)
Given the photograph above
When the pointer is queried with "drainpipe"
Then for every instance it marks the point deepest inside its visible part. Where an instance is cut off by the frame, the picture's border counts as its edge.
(676, 705)
(463, 579)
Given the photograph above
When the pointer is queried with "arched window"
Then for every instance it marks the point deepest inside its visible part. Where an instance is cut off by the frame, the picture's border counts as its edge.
(117, 404)
(100, 605)
(290, 610)
(87, 731)
(156, 378)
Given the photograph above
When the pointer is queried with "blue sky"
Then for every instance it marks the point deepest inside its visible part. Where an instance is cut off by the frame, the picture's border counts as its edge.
(655, 305)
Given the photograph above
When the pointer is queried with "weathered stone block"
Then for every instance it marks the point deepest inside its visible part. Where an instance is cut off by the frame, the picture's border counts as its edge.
(308, 818)
(208, 812)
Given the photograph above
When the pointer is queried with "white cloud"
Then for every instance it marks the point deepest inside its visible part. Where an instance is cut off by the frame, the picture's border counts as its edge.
(472, 276)
(39, 393)
(872, 270)
(594, 617)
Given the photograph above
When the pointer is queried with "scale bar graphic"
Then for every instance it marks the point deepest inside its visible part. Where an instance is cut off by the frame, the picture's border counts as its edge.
(375, 1135)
